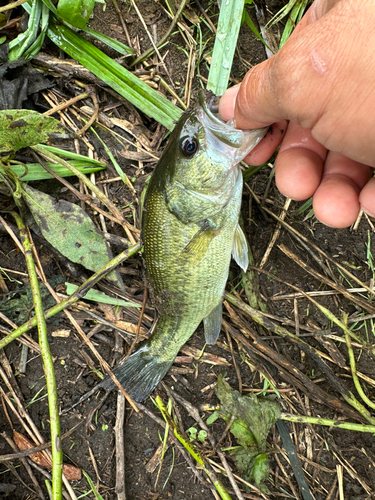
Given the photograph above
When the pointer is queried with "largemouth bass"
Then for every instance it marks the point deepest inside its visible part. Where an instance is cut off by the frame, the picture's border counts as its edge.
(190, 230)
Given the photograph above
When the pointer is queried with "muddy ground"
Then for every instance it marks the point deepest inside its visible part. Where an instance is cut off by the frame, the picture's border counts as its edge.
(330, 457)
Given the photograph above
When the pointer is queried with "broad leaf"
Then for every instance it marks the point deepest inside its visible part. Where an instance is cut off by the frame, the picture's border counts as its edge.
(71, 231)
(254, 417)
(21, 128)
(76, 12)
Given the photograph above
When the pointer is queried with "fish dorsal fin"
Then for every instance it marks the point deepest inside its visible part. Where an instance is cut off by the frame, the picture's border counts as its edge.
(212, 324)
(198, 245)
(239, 249)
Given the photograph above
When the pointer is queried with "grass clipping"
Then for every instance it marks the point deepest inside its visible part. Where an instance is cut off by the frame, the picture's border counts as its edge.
(253, 418)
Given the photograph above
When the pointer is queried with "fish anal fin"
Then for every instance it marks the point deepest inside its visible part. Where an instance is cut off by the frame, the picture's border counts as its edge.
(239, 249)
(212, 324)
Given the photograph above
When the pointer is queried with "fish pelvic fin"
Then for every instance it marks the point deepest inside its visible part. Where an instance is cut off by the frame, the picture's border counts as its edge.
(212, 324)
(139, 374)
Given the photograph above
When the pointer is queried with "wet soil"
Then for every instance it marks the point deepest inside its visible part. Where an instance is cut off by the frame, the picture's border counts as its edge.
(91, 446)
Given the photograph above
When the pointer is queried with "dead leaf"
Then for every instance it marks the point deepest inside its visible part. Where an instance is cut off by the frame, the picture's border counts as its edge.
(23, 443)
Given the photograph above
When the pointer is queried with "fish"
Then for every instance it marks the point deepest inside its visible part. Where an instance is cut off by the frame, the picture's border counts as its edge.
(190, 230)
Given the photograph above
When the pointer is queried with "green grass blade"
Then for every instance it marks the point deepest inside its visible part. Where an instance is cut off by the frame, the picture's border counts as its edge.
(284, 11)
(125, 83)
(24, 40)
(101, 297)
(64, 153)
(35, 171)
(50, 5)
(247, 19)
(37, 45)
(225, 45)
(92, 486)
(294, 18)
(110, 42)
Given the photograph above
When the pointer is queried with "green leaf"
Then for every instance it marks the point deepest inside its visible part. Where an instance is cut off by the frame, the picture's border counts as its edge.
(124, 82)
(35, 171)
(24, 40)
(92, 486)
(97, 296)
(192, 431)
(76, 12)
(35, 47)
(225, 45)
(247, 19)
(71, 231)
(23, 128)
(293, 19)
(111, 42)
(254, 417)
(202, 436)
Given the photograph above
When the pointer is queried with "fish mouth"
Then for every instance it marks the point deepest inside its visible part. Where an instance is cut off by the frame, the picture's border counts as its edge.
(238, 143)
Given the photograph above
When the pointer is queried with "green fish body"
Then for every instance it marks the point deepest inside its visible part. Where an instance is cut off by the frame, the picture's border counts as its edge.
(190, 230)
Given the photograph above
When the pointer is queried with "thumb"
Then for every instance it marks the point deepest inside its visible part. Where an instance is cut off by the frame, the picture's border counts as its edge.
(287, 86)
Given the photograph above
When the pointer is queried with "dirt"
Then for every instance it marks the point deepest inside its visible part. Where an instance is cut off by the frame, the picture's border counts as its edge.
(324, 451)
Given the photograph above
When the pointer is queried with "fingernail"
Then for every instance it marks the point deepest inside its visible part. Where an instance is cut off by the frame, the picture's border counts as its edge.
(368, 212)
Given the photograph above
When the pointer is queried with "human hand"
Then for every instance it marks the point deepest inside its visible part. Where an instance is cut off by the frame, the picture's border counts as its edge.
(318, 92)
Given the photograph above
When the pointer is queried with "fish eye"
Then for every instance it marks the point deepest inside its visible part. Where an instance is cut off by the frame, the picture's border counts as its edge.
(189, 146)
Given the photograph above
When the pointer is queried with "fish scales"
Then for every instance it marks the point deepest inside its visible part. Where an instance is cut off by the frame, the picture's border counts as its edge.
(190, 229)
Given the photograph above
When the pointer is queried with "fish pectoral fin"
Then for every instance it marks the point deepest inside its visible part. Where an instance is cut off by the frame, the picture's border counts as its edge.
(212, 324)
(239, 249)
(198, 245)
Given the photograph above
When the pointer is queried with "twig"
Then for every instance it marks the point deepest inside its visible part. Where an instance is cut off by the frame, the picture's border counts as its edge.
(123, 24)
(78, 294)
(337, 424)
(120, 449)
(292, 374)
(94, 115)
(306, 240)
(66, 104)
(25, 463)
(322, 294)
(353, 369)
(164, 39)
(194, 452)
(357, 300)
(276, 233)
(200, 7)
(12, 5)
(238, 372)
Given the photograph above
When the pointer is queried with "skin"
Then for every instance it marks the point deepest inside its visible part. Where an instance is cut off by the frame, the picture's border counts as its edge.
(317, 92)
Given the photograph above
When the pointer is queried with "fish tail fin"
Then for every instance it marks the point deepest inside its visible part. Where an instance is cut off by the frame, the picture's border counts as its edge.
(139, 374)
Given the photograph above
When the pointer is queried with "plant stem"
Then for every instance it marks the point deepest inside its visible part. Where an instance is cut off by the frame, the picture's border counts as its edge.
(12, 5)
(57, 455)
(303, 419)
